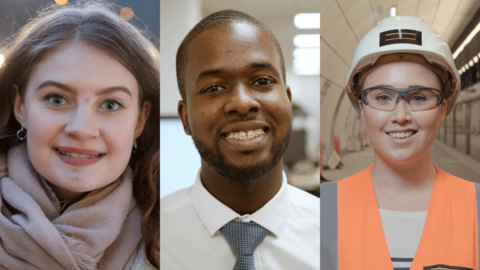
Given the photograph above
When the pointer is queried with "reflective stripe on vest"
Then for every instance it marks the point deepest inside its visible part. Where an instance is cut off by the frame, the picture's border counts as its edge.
(328, 228)
(352, 234)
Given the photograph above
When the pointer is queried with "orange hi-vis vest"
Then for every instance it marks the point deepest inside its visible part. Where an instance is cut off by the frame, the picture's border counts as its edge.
(352, 236)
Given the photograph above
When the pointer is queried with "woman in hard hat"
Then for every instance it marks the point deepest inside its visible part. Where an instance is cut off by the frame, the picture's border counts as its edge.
(401, 212)
(79, 143)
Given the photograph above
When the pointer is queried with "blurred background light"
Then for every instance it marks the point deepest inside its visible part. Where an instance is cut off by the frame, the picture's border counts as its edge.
(307, 20)
(1, 60)
(393, 11)
(126, 13)
(61, 2)
(466, 41)
(306, 61)
(307, 41)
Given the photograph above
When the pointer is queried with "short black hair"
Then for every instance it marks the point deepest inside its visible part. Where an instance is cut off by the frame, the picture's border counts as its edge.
(224, 17)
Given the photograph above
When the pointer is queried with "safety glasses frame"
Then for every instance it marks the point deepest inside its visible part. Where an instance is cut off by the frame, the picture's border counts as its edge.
(401, 93)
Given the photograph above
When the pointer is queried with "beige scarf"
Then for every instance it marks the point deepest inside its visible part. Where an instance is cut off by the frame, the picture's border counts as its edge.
(101, 231)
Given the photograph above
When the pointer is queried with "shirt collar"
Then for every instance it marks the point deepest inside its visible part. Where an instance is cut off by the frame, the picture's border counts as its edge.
(214, 214)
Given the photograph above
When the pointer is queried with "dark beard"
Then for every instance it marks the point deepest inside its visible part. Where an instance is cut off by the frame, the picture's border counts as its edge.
(249, 171)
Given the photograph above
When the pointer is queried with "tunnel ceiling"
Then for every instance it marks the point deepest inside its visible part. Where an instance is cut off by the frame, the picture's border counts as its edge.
(345, 22)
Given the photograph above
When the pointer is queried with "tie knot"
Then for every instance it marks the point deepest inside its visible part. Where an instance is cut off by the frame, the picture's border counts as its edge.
(244, 237)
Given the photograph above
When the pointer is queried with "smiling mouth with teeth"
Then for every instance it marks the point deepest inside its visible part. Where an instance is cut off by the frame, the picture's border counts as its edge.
(75, 155)
(401, 135)
(245, 135)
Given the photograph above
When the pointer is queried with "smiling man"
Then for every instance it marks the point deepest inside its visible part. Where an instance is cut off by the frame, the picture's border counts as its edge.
(240, 213)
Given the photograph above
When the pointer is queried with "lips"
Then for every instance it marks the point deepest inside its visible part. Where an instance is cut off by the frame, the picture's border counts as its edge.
(78, 157)
(245, 136)
(401, 134)
(245, 127)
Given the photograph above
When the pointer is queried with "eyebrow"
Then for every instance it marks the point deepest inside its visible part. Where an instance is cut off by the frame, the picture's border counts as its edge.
(263, 64)
(67, 88)
(216, 71)
(210, 72)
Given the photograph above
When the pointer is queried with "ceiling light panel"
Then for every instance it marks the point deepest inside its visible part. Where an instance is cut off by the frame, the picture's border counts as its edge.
(307, 41)
(307, 20)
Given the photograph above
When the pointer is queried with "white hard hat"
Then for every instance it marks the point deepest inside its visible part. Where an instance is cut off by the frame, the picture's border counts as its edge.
(403, 38)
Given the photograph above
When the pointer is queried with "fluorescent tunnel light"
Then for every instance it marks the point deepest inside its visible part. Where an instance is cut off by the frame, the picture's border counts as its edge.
(466, 41)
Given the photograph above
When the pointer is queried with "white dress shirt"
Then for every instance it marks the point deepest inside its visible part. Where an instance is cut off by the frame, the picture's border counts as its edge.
(190, 237)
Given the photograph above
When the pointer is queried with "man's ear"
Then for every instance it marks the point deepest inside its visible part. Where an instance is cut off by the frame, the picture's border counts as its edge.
(19, 107)
(289, 93)
(142, 119)
(182, 112)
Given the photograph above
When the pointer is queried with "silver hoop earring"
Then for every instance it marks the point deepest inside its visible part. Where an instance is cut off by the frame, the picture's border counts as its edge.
(134, 146)
(21, 132)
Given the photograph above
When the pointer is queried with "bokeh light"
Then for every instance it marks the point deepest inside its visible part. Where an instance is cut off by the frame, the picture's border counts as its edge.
(61, 2)
(126, 13)
(1, 60)
(307, 20)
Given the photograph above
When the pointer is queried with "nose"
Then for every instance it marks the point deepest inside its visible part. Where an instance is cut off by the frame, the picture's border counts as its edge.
(242, 100)
(402, 111)
(82, 125)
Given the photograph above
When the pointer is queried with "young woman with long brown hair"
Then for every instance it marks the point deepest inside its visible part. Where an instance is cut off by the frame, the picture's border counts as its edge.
(79, 143)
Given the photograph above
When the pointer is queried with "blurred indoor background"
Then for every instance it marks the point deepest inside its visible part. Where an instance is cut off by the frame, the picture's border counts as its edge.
(15, 13)
(346, 149)
(179, 159)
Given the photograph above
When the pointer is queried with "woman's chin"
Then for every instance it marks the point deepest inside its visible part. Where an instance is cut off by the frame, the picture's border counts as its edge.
(401, 157)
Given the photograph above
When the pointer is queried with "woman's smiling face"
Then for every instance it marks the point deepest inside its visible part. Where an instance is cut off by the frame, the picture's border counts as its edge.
(383, 126)
(81, 112)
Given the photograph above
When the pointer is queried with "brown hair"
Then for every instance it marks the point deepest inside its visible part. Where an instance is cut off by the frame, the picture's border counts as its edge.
(95, 23)
(219, 18)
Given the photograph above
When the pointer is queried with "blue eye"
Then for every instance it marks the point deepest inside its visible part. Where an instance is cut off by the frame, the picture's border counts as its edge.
(112, 105)
(56, 99)
(419, 98)
(383, 98)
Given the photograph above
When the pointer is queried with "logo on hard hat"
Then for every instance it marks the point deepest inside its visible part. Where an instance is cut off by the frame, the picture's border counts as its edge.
(400, 36)
(445, 267)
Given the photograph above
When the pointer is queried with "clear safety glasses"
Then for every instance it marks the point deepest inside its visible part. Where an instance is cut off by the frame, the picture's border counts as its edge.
(386, 98)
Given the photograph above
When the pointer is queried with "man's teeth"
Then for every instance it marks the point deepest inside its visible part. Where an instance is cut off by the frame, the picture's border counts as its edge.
(245, 135)
(74, 155)
(400, 135)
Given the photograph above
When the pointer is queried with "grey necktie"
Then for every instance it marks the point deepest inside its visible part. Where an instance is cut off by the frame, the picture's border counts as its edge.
(244, 238)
